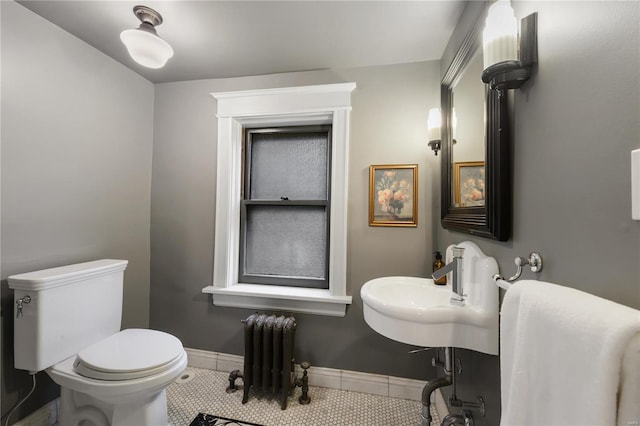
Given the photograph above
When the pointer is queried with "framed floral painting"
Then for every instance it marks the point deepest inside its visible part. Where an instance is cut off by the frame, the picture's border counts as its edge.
(393, 195)
(469, 180)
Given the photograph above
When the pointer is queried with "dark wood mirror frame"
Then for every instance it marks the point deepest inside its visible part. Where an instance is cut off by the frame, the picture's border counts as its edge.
(493, 220)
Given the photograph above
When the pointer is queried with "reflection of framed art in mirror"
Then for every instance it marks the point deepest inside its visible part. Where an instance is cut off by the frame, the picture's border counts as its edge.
(469, 183)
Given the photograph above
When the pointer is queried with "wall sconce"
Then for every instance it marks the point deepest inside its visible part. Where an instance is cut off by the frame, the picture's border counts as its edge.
(143, 43)
(434, 125)
(507, 62)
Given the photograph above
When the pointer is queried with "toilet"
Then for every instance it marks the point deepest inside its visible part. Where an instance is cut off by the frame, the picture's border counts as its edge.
(67, 322)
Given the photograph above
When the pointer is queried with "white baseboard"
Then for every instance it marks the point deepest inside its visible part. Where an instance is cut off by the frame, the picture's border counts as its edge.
(214, 360)
(355, 381)
(47, 415)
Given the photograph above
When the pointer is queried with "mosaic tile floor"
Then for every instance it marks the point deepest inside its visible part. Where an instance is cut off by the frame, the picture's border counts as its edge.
(205, 393)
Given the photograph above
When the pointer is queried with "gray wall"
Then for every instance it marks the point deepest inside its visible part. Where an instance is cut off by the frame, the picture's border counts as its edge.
(576, 122)
(76, 170)
(388, 125)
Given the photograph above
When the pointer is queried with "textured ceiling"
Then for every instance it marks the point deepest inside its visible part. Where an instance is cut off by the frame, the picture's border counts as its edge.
(215, 39)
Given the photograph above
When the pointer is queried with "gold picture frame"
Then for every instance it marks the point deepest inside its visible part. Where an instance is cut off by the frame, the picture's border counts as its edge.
(469, 184)
(393, 195)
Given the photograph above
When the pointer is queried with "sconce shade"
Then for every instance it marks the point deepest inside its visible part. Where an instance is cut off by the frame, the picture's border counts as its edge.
(500, 36)
(143, 44)
(508, 56)
(434, 124)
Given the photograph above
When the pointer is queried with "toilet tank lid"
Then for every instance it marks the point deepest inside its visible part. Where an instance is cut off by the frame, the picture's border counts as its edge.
(63, 275)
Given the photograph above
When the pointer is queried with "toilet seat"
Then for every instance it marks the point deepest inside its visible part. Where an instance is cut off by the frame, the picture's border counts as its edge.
(129, 354)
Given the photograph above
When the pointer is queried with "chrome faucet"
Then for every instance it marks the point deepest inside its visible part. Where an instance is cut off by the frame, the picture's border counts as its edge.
(455, 266)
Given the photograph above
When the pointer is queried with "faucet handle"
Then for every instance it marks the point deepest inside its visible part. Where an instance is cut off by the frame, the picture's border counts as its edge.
(457, 251)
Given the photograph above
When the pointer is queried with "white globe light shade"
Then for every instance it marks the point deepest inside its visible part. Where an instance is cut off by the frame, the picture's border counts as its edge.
(434, 124)
(146, 48)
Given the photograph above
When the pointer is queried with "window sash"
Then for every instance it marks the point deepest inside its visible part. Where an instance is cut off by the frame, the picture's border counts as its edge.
(246, 203)
(287, 162)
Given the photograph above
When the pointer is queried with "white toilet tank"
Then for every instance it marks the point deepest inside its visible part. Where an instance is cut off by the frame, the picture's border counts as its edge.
(70, 308)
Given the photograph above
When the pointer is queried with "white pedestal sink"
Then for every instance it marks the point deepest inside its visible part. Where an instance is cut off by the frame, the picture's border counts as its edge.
(418, 312)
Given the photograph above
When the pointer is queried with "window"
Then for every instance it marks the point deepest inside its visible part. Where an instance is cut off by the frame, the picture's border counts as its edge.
(256, 129)
(284, 226)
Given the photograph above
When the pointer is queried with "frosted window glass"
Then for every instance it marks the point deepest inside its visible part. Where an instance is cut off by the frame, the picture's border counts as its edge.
(286, 241)
(289, 165)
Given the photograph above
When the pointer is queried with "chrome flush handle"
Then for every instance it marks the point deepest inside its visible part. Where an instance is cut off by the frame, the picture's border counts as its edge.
(22, 301)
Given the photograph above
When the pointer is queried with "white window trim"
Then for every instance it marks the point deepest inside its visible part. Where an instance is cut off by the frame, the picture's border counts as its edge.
(305, 105)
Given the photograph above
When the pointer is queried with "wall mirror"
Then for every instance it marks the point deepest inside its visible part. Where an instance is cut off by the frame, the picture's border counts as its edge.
(476, 148)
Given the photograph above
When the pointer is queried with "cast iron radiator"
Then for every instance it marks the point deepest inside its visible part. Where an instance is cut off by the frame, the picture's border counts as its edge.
(269, 343)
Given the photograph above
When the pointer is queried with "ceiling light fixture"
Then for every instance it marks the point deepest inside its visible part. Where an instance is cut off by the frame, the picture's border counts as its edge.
(143, 43)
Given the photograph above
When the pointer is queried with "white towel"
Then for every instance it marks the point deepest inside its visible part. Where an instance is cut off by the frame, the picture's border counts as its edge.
(629, 397)
(561, 357)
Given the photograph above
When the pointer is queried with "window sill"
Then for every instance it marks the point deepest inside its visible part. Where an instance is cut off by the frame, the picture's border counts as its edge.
(290, 299)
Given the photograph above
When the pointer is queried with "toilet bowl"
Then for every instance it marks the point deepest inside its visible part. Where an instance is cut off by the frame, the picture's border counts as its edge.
(122, 377)
(68, 324)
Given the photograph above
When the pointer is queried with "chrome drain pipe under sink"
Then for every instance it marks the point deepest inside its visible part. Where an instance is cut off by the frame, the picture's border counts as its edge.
(450, 369)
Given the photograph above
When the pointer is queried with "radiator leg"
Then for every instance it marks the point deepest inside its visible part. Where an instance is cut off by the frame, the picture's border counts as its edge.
(286, 383)
(235, 374)
(245, 394)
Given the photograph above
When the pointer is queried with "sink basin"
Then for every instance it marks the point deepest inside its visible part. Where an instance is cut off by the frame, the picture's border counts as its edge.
(416, 311)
